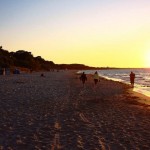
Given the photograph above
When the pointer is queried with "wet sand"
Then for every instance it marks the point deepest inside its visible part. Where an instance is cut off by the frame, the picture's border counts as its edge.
(56, 112)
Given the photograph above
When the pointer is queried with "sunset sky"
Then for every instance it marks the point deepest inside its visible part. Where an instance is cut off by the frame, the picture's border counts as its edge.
(114, 33)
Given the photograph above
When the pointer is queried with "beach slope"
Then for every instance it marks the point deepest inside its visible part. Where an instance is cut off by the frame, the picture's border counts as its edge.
(57, 112)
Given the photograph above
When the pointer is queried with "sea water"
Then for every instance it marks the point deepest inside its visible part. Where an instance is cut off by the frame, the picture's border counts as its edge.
(142, 77)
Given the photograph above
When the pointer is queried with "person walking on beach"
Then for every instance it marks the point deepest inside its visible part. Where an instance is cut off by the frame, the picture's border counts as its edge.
(4, 71)
(96, 78)
(132, 77)
(83, 78)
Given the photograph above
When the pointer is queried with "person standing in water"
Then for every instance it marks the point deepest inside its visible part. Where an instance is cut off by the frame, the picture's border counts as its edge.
(83, 78)
(96, 78)
(132, 77)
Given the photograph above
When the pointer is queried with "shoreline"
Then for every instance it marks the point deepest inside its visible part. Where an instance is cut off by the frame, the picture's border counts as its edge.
(143, 100)
(139, 98)
(139, 88)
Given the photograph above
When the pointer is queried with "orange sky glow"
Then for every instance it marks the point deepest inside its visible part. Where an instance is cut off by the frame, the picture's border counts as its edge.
(91, 32)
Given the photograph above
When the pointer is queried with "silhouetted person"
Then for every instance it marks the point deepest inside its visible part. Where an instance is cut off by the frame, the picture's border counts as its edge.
(4, 71)
(42, 75)
(31, 70)
(83, 78)
(96, 78)
(132, 77)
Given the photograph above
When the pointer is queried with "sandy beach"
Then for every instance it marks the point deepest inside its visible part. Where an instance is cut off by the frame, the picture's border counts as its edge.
(56, 112)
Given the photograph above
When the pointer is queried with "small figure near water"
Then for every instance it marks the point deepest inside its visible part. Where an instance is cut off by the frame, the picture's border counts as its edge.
(96, 78)
(42, 75)
(4, 72)
(83, 78)
(16, 71)
(132, 77)
(31, 70)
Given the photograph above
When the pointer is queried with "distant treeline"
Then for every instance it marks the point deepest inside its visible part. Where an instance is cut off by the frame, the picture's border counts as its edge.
(25, 59)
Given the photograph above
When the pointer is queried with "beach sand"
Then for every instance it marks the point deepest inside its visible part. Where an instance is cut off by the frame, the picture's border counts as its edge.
(56, 112)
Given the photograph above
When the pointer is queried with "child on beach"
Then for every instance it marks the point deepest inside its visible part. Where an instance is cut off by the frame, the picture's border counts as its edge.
(96, 78)
(132, 77)
(83, 78)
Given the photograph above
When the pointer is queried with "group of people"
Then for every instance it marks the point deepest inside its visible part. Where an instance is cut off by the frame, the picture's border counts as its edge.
(83, 78)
